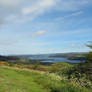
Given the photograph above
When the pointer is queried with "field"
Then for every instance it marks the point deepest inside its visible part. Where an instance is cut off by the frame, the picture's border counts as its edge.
(13, 80)
(24, 80)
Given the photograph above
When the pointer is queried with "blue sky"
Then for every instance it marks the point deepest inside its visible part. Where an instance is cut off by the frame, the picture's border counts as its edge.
(45, 26)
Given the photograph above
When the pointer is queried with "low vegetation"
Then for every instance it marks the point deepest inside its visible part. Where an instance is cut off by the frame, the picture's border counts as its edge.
(24, 80)
(57, 77)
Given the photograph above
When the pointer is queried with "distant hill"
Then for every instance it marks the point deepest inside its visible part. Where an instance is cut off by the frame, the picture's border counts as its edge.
(53, 54)
(71, 56)
(7, 58)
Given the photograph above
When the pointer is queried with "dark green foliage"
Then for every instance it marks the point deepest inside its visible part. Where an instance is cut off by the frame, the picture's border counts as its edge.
(11, 64)
(82, 72)
(60, 67)
(89, 57)
(36, 65)
(7, 58)
(67, 89)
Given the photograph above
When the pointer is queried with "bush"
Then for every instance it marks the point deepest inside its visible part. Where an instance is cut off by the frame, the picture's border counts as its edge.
(3, 63)
(11, 64)
(36, 65)
(61, 68)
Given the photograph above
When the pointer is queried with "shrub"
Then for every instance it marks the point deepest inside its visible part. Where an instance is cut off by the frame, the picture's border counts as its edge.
(3, 63)
(61, 68)
(11, 64)
(36, 65)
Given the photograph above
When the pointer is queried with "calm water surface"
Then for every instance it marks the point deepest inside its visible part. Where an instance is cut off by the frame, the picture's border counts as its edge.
(47, 58)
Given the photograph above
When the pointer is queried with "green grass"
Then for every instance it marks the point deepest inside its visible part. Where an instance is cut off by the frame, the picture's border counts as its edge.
(12, 80)
(23, 80)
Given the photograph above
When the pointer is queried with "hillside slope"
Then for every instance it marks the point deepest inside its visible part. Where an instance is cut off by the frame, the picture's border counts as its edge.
(24, 80)
(16, 81)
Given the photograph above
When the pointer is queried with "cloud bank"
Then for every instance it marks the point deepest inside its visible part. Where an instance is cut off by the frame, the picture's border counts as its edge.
(27, 10)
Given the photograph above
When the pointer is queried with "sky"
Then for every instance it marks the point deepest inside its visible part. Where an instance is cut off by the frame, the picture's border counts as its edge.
(45, 26)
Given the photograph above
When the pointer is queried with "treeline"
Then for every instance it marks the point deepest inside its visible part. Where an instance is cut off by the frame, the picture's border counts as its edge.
(7, 58)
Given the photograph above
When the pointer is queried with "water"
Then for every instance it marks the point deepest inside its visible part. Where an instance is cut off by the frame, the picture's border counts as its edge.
(47, 58)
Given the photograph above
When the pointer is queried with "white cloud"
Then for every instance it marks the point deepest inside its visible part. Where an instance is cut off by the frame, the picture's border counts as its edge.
(10, 3)
(27, 10)
(25, 13)
(38, 7)
(1, 19)
(38, 33)
(78, 46)
(7, 42)
(71, 5)
(70, 15)
(76, 13)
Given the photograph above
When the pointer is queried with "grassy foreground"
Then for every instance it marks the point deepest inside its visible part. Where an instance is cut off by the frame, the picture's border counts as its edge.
(23, 80)
(12, 80)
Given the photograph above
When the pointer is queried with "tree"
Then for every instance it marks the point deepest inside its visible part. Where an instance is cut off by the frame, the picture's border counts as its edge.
(84, 68)
(89, 55)
(88, 63)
